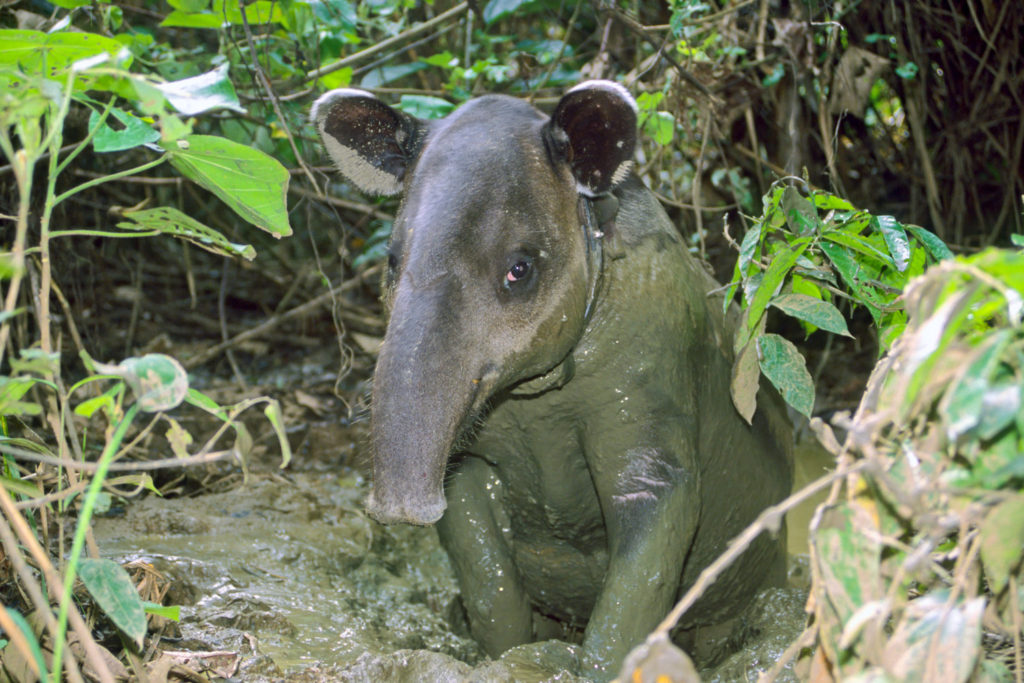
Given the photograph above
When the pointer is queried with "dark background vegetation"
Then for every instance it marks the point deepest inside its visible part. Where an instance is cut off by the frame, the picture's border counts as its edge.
(910, 109)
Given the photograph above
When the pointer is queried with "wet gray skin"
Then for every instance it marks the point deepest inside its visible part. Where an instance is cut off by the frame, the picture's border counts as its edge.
(559, 405)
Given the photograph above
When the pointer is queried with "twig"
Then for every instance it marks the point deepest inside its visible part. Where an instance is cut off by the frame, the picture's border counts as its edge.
(53, 583)
(768, 519)
(261, 76)
(166, 463)
(409, 33)
(273, 322)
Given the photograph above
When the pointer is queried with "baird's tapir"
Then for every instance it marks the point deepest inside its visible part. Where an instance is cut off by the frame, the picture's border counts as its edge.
(553, 386)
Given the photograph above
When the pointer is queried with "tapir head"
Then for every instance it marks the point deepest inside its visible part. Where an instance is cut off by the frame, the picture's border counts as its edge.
(489, 280)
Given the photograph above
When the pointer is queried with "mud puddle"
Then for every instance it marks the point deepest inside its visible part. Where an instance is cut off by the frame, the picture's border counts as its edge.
(284, 578)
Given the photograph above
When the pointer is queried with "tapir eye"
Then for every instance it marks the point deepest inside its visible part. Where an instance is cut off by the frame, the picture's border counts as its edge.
(519, 270)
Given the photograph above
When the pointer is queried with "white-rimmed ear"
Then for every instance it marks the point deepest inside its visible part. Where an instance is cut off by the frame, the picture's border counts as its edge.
(595, 122)
(371, 144)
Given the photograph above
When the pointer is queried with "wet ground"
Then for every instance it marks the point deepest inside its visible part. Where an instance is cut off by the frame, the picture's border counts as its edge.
(285, 578)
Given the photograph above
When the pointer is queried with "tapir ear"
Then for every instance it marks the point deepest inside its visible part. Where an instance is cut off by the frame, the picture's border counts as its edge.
(371, 144)
(596, 124)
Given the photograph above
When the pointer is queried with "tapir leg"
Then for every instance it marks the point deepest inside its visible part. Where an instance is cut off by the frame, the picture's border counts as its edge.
(500, 615)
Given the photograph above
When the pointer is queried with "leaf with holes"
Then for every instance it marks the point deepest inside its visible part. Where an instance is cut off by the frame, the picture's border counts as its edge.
(252, 183)
(786, 369)
(158, 381)
(173, 222)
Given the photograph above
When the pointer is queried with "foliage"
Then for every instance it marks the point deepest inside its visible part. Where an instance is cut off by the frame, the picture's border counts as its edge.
(925, 542)
(802, 256)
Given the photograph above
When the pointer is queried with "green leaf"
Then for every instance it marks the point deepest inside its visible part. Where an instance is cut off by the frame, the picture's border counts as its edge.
(907, 71)
(935, 246)
(969, 398)
(1017, 239)
(801, 216)
(425, 106)
(31, 51)
(211, 90)
(499, 9)
(1002, 541)
(173, 222)
(895, 238)
(777, 271)
(112, 588)
(826, 201)
(250, 182)
(189, 5)
(135, 132)
(850, 271)
(814, 311)
(107, 401)
(786, 369)
(157, 380)
(181, 19)
(858, 244)
(172, 612)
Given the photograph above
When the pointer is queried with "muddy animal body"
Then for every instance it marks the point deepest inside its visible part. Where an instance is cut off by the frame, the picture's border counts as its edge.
(553, 387)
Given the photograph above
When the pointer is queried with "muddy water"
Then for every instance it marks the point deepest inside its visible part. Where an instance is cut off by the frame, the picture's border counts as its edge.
(289, 573)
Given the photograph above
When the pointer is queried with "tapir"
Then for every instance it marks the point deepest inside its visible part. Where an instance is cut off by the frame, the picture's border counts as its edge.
(552, 390)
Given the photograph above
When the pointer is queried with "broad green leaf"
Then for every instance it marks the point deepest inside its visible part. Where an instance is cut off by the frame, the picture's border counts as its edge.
(829, 202)
(935, 246)
(12, 390)
(1002, 541)
(32, 51)
(801, 216)
(180, 19)
(748, 247)
(189, 5)
(895, 238)
(936, 638)
(259, 12)
(157, 380)
(211, 90)
(173, 222)
(134, 132)
(112, 588)
(745, 379)
(777, 271)
(425, 106)
(859, 244)
(847, 551)
(814, 311)
(850, 271)
(107, 401)
(1017, 239)
(660, 126)
(250, 182)
(499, 9)
(786, 369)
(965, 404)
(72, 4)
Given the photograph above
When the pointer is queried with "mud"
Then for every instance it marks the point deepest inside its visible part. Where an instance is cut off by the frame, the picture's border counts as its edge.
(288, 576)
